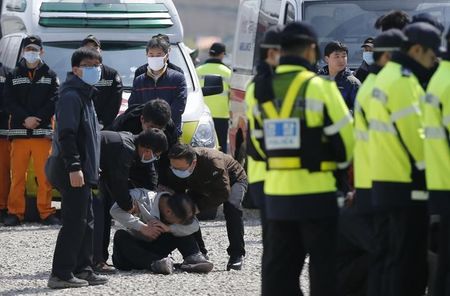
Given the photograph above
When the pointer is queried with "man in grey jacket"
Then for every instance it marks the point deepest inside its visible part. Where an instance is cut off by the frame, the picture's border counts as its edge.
(157, 225)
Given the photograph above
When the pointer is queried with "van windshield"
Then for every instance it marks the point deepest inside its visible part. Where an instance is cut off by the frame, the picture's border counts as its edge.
(351, 22)
(125, 57)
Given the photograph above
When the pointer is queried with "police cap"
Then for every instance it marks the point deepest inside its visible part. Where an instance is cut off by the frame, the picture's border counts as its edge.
(423, 34)
(298, 33)
(272, 37)
(90, 39)
(390, 40)
(32, 41)
(217, 48)
(425, 17)
(368, 42)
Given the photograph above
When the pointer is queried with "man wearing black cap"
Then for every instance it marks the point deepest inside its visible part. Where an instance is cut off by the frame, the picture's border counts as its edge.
(363, 70)
(218, 104)
(304, 121)
(397, 159)
(359, 244)
(30, 93)
(109, 97)
(256, 164)
(437, 150)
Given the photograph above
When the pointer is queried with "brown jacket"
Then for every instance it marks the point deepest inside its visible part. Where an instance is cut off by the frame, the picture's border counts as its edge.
(210, 183)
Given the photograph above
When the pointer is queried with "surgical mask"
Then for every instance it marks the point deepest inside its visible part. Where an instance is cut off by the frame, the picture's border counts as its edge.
(181, 174)
(156, 63)
(91, 75)
(368, 57)
(31, 56)
(154, 158)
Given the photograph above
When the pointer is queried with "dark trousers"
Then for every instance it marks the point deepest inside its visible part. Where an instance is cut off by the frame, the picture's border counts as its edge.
(221, 126)
(235, 231)
(406, 264)
(256, 191)
(73, 251)
(377, 278)
(101, 204)
(355, 243)
(441, 286)
(284, 255)
(130, 252)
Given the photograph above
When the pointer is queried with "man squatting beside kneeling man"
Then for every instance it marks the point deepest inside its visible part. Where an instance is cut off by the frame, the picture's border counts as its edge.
(161, 223)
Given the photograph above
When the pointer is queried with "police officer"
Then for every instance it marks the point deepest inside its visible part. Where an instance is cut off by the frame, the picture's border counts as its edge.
(256, 165)
(436, 112)
(5, 148)
(356, 221)
(109, 96)
(397, 159)
(218, 104)
(307, 119)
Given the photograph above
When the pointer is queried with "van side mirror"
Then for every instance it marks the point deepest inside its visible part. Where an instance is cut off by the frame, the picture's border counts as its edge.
(213, 85)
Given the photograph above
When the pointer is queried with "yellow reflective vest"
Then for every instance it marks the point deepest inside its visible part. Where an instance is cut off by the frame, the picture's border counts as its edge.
(256, 164)
(396, 137)
(218, 104)
(292, 189)
(436, 109)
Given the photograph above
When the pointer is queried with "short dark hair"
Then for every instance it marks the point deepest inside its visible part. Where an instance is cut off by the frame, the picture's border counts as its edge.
(158, 42)
(153, 139)
(162, 36)
(335, 46)
(395, 19)
(182, 151)
(84, 53)
(157, 111)
(182, 206)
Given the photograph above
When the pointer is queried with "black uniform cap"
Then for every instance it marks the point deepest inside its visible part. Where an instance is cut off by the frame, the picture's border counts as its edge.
(390, 40)
(90, 38)
(368, 42)
(423, 34)
(272, 37)
(298, 32)
(33, 40)
(217, 48)
(430, 19)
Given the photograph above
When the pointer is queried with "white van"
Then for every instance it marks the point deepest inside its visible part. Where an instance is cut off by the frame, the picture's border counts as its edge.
(123, 27)
(349, 21)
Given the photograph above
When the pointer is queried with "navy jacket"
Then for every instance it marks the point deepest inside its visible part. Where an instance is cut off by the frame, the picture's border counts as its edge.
(171, 87)
(347, 84)
(4, 116)
(77, 134)
(24, 97)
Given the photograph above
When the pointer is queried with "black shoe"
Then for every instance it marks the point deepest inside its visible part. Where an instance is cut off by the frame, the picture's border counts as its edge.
(196, 263)
(103, 268)
(51, 220)
(92, 278)
(3, 214)
(57, 283)
(11, 220)
(235, 263)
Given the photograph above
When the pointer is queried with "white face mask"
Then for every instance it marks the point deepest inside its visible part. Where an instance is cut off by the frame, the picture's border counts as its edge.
(156, 63)
(31, 56)
(368, 57)
(154, 158)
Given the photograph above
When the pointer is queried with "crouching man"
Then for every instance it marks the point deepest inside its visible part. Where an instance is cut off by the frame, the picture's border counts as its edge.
(160, 223)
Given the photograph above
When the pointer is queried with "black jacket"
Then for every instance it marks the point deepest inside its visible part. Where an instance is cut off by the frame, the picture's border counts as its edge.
(77, 134)
(121, 168)
(26, 97)
(347, 84)
(109, 98)
(143, 69)
(362, 72)
(4, 116)
(130, 121)
(171, 87)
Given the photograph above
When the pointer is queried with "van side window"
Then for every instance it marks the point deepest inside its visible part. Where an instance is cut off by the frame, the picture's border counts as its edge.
(289, 15)
(268, 17)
